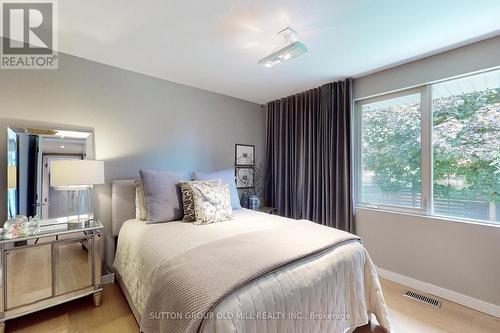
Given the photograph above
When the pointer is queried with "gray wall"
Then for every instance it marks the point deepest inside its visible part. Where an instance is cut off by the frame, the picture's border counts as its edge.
(139, 121)
(458, 256)
(467, 59)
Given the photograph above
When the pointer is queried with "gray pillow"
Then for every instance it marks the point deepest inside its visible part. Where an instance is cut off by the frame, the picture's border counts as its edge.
(162, 195)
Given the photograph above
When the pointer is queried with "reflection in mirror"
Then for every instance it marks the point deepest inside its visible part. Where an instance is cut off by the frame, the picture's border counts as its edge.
(30, 153)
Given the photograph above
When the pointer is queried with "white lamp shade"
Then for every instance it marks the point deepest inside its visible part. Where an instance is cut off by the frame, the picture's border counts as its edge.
(68, 173)
(11, 176)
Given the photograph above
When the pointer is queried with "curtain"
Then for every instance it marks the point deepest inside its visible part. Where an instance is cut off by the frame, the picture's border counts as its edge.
(309, 155)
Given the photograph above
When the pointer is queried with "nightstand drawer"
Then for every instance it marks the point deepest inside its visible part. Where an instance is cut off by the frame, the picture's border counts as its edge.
(28, 275)
(72, 265)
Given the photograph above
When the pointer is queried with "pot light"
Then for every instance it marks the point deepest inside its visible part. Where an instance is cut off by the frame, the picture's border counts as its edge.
(289, 48)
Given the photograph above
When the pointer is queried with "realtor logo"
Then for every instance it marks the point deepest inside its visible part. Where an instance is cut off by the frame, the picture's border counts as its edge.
(28, 31)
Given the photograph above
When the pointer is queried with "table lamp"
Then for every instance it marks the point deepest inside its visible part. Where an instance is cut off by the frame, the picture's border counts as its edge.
(77, 177)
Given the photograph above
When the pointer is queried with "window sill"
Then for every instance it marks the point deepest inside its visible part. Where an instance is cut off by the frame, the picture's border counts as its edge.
(439, 218)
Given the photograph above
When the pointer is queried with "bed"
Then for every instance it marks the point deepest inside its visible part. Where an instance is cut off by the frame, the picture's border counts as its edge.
(334, 289)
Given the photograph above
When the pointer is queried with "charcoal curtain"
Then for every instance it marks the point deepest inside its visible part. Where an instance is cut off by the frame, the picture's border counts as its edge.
(309, 155)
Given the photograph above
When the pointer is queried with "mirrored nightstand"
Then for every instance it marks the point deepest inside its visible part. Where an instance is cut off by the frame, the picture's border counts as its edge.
(59, 263)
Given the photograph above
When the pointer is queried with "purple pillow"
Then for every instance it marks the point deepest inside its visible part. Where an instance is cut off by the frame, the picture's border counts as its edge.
(162, 195)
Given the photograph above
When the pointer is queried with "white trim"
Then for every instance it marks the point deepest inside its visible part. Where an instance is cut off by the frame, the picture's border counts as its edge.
(426, 148)
(450, 295)
(428, 218)
(424, 144)
(356, 150)
(389, 95)
(392, 208)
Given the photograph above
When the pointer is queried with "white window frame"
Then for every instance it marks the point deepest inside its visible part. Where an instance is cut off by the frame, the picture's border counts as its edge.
(425, 146)
(426, 167)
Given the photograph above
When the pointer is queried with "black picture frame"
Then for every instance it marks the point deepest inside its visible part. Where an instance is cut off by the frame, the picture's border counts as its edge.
(240, 160)
(238, 177)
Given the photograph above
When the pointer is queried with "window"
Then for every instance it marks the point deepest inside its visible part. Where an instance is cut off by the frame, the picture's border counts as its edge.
(434, 149)
(466, 147)
(391, 131)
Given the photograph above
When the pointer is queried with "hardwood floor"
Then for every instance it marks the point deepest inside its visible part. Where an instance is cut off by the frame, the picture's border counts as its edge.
(114, 315)
(80, 316)
(410, 316)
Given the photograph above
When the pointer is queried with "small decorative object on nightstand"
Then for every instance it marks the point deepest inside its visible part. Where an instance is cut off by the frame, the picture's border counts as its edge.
(49, 266)
(254, 202)
(252, 183)
(268, 210)
(245, 200)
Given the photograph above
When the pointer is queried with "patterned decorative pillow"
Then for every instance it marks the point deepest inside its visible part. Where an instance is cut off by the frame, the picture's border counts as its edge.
(187, 197)
(212, 203)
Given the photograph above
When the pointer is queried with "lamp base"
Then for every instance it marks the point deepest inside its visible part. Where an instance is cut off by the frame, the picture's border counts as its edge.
(82, 221)
(79, 209)
(77, 225)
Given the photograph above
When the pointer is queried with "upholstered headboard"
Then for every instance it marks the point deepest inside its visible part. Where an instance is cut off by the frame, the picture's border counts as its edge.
(122, 203)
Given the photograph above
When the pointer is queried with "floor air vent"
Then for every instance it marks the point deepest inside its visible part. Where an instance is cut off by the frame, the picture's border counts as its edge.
(422, 298)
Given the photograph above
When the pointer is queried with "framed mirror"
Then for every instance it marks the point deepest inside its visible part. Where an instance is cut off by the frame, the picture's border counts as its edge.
(29, 155)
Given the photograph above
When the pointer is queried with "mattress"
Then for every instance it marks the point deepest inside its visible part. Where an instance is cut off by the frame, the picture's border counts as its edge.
(334, 291)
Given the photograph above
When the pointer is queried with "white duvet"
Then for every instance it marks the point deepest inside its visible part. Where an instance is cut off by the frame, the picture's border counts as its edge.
(331, 292)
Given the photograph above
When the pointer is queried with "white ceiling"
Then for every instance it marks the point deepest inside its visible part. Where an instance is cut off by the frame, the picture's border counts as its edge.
(215, 45)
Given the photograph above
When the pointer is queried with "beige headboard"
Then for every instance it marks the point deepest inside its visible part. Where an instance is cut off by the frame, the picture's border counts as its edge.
(122, 203)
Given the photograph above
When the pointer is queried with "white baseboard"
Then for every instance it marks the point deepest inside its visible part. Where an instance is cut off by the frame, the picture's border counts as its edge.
(450, 295)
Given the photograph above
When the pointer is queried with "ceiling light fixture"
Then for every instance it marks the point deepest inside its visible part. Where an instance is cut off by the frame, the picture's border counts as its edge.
(289, 48)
